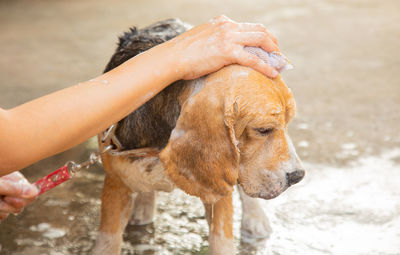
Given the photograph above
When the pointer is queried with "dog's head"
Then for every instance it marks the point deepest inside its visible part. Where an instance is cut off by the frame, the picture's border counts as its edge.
(234, 130)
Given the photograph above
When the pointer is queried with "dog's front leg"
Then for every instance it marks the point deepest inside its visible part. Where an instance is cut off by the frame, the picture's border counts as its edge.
(116, 206)
(255, 224)
(144, 208)
(220, 222)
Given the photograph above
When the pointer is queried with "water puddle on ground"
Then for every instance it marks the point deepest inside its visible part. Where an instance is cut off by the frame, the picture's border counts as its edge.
(334, 210)
(347, 210)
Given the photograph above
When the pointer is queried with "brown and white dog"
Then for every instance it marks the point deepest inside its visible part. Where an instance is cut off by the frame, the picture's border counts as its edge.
(214, 132)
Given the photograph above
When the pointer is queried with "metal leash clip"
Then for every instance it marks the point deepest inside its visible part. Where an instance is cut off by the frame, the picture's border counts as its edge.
(93, 159)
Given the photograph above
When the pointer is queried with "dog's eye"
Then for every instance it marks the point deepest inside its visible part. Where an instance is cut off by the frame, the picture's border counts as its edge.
(264, 131)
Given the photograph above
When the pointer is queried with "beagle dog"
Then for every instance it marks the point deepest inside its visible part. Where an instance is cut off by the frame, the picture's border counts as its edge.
(212, 133)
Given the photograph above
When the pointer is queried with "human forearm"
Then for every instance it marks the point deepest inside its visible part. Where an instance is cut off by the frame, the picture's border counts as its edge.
(61, 120)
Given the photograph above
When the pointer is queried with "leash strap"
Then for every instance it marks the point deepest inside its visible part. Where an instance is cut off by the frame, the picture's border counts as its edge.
(66, 172)
(54, 179)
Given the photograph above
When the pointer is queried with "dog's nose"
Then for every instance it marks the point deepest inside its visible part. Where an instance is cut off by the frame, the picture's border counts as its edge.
(295, 176)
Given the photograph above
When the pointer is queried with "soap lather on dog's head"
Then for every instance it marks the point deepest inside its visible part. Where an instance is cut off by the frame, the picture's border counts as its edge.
(240, 137)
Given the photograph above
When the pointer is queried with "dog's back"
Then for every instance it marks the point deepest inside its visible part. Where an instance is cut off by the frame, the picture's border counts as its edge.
(151, 124)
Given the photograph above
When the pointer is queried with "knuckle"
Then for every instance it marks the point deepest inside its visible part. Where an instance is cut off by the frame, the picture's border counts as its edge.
(219, 19)
(225, 26)
(221, 27)
(261, 27)
(222, 18)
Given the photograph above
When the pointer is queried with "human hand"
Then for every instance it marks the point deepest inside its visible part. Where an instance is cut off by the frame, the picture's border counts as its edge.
(15, 193)
(218, 43)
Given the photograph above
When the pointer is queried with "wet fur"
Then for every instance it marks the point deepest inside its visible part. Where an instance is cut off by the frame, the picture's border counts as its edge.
(151, 126)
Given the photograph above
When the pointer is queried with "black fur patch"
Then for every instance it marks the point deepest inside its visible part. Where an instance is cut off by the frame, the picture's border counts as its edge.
(152, 123)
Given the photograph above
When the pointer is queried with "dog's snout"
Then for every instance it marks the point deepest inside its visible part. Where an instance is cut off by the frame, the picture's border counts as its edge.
(295, 176)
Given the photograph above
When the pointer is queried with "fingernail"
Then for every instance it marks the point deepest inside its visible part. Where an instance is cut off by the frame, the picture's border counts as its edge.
(274, 73)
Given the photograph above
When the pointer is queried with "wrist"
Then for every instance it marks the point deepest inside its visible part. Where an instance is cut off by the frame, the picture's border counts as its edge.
(168, 59)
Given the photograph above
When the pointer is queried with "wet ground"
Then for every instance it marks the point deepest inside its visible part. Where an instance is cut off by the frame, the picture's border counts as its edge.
(347, 85)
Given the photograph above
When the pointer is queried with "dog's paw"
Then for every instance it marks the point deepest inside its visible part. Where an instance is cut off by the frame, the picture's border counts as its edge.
(143, 208)
(255, 225)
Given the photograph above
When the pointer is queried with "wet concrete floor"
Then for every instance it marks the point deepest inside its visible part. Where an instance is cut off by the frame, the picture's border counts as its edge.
(346, 83)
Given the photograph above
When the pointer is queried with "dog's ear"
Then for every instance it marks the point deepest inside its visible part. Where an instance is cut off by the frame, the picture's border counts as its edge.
(201, 157)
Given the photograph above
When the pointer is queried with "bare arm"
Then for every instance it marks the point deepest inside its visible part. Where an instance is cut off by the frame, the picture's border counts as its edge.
(61, 120)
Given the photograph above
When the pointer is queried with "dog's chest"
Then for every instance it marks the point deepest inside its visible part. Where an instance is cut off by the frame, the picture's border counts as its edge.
(142, 175)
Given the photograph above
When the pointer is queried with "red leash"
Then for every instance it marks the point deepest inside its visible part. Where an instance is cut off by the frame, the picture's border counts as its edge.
(66, 172)
(69, 170)
(54, 179)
